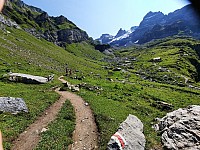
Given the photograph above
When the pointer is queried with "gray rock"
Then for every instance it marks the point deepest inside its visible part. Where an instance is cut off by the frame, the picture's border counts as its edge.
(26, 78)
(162, 105)
(12, 105)
(72, 35)
(74, 88)
(117, 69)
(181, 129)
(157, 59)
(8, 22)
(129, 136)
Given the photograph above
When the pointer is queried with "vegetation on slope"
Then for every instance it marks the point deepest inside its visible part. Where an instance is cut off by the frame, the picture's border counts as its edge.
(59, 133)
(21, 52)
(135, 89)
(129, 91)
(179, 61)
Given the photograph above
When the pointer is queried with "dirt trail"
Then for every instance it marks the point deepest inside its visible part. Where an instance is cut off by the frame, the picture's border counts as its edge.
(85, 135)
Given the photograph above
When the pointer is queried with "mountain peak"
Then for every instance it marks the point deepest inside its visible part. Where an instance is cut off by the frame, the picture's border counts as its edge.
(156, 25)
(151, 19)
(120, 33)
(153, 15)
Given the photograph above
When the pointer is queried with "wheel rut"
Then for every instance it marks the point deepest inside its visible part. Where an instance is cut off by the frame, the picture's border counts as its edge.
(85, 136)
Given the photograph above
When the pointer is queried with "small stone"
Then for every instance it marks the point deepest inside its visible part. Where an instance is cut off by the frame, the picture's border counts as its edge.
(86, 104)
(37, 132)
(43, 130)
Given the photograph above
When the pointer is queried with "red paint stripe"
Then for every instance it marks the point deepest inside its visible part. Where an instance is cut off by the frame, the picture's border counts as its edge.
(120, 140)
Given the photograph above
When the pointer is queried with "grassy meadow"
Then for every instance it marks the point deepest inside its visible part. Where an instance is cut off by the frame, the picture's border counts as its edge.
(135, 89)
(23, 53)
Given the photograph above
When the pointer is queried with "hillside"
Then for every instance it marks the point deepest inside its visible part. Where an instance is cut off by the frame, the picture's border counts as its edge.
(136, 84)
(35, 21)
(24, 53)
(134, 80)
(171, 60)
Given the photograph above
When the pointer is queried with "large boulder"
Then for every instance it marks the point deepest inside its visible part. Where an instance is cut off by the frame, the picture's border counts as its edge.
(12, 105)
(30, 79)
(181, 129)
(129, 136)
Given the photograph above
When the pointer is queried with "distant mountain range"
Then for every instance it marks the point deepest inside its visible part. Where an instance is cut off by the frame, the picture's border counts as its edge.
(156, 25)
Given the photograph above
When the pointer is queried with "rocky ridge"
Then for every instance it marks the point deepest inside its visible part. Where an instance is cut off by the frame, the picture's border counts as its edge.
(35, 21)
(156, 25)
(8, 22)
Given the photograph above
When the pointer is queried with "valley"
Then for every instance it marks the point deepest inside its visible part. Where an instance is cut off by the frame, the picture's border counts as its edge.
(147, 80)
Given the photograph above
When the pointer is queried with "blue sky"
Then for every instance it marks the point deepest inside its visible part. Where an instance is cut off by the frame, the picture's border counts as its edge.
(105, 16)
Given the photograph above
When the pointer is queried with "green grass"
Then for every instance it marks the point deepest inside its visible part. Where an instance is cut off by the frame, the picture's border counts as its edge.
(23, 53)
(59, 133)
(66, 25)
(178, 57)
(117, 100)
(37, 98)
(137, 96)
(84, 50)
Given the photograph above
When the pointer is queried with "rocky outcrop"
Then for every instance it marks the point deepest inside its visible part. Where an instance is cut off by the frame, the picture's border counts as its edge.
(21, 4)
(12, 105)
(102, 47)
(129, 135)
(58, 30)
(120, 33)
(72, 35)
(30, 79)
(8, 22)
(42, 18)
(180, 129)
(105, 38)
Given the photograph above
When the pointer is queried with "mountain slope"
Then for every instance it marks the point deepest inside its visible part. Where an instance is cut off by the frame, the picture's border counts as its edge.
(156, 25)
(172, 60)
(24, 53)
(58, 30)
(112, 93)
(121, 37)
